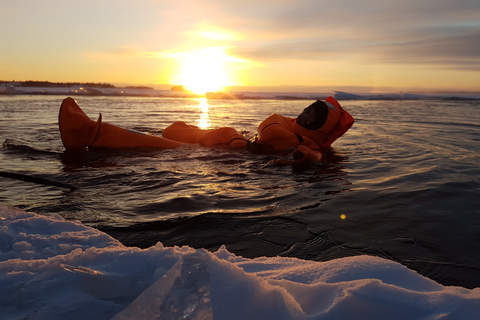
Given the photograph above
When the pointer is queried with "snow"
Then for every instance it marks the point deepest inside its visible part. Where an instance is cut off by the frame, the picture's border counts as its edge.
(56, 269)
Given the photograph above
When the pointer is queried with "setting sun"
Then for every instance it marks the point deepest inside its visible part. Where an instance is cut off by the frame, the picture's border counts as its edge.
(206, 70)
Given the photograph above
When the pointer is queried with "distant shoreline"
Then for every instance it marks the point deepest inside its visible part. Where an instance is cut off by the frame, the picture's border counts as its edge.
(108, 90)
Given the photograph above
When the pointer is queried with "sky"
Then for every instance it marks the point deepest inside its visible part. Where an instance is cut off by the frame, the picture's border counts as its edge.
(369, 45)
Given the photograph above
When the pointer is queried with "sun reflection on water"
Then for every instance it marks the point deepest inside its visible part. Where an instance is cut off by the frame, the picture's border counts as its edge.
(204, 121)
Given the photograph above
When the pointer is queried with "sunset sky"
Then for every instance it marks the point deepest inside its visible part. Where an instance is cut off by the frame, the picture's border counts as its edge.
(206, 44)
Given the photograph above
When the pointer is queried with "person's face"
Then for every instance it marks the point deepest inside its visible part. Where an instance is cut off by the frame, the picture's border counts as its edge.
(307, 117)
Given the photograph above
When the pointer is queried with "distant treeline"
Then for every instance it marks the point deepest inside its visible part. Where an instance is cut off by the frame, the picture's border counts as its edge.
(49, 84)
(31, 83)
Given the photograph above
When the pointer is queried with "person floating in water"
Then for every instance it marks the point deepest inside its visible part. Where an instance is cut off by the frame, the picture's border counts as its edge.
(317, 127)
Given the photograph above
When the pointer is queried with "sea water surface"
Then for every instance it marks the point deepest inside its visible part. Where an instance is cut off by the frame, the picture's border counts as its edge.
(403, 183)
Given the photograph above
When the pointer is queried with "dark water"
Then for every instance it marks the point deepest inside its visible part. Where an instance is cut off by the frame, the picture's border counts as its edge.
(402, 184)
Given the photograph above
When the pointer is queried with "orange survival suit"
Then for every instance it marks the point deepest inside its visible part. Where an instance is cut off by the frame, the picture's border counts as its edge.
(78, 131)
(318, 126)
(226, 136)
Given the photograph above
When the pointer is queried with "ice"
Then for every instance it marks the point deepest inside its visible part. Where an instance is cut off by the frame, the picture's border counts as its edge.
(56, 269)
(181, 293)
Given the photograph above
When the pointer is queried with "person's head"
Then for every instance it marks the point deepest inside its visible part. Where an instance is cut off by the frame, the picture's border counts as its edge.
(314, 116)
(316, 121)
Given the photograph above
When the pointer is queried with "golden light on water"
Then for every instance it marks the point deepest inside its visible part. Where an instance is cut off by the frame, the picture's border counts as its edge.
(204, 121)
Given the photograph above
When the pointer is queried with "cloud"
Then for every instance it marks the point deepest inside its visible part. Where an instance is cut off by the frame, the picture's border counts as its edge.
(365, 34)
(453, 50)
(428, 32)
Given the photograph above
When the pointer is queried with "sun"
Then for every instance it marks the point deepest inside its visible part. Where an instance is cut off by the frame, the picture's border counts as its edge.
(205, 70)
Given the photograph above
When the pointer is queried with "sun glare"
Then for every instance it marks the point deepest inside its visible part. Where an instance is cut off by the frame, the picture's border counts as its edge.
(204, 121)
(205, 70)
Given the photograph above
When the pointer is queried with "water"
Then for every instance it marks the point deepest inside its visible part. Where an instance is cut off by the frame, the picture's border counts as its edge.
(402, 184)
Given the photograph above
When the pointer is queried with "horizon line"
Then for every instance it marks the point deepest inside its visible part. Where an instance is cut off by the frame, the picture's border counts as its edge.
(272, 88)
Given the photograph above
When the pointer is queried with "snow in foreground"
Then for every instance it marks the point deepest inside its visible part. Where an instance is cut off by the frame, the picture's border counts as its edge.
(55, 269)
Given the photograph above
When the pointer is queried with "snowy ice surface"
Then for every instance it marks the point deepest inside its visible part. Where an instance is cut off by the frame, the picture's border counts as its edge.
(56, 269)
